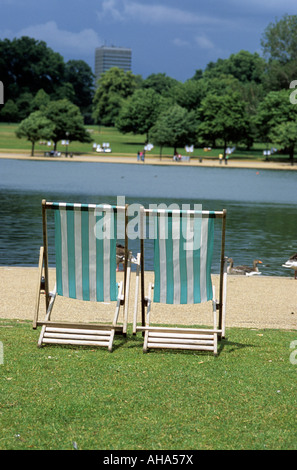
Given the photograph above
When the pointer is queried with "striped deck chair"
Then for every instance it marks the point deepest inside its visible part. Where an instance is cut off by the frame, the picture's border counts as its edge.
(183, 249)
(85, 251)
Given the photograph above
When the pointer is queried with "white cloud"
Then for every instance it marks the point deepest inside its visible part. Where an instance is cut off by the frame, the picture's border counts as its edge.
(201, 41)
(153, 13)
(81, 42)
(267, 6)
(181, 42)
(110, 7)
(204, 43)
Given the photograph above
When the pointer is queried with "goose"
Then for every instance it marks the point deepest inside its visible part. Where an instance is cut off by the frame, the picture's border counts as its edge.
(292, 263)
(120, 255)
(243, 270)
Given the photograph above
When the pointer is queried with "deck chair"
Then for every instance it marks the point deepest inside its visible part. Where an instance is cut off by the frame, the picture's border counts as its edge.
(85, 252)
(183, 248)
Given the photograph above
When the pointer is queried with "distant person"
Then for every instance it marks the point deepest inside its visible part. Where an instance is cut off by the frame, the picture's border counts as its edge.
(138, 156)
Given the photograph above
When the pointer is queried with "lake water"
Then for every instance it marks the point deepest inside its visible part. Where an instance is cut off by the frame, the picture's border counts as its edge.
(261, 205)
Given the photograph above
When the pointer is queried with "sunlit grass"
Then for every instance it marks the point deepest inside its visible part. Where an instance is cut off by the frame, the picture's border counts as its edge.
(56, 396)
(121, 145)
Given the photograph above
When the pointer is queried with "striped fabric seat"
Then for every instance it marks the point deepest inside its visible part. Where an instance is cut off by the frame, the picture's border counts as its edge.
(85, 254)
(183, 250)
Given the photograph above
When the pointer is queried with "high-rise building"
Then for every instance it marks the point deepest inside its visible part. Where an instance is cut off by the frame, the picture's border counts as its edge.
(111, 56)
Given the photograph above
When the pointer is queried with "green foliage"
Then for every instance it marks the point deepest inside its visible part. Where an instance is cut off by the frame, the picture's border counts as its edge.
(40, 100)
(275, 109)
(284, 135)
(223, 117)
(140, 112)
(160, 83)
(34, 128)
(113, 87)
(58, 398)
(175, 127)
(9, 112)
(28, 65)
(80, 76)
(243, 66)
(34, 75)
(66, 118)
(24, 105)
(279, 40)
(189, 94)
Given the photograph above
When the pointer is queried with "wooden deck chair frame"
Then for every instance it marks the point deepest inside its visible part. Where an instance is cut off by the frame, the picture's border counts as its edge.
(181, 338)
(79, 333)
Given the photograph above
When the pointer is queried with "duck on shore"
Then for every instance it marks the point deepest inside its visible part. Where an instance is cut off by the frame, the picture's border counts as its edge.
(244, 270)
(292, 263)
(120, 255)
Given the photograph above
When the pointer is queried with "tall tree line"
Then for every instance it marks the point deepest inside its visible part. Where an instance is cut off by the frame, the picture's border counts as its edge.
(28, 66)
(236, 100)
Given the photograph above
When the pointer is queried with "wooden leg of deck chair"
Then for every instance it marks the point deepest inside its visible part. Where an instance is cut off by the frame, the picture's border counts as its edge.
(136, 296)
(224, 299)
(126, 303)
(111, 340)
(147, 320)
(47, 317)
(37, 298)
(215, 335)
(118, 306)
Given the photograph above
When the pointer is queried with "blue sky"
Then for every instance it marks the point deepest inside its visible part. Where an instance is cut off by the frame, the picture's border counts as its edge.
(166, 36)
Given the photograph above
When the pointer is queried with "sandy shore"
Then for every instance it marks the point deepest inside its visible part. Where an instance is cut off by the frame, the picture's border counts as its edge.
(155, 160)
(252, 302)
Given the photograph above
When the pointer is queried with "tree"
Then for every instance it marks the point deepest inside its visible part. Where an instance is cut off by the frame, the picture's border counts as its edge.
(79, 74)
(35, 127)
(279, 43)
(244, 66)
(175, 127)
(24, 104)
(273, 110)
(140, 112)
(279, 40)
(278, 76)
(276, 115)
(9, 112)
(285, 136)
(27, 65)
(114, 86)
(40, 100)
(223, 117)
(160, 83)
(189, 94)
(66, 118)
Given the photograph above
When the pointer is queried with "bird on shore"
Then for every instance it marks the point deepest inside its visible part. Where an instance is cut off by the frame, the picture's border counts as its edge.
(244, 270)
(292, 263)
(120, 255)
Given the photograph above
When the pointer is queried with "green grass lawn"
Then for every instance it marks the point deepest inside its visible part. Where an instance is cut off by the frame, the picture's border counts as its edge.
(121, 144)
(61, 397)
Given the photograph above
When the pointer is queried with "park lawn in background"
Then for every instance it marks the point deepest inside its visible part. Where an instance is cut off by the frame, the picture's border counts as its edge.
(66, 397)
(121, 145)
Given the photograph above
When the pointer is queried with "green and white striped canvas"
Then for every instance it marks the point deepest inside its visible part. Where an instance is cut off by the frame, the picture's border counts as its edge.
(85, 242)
(183, 249)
